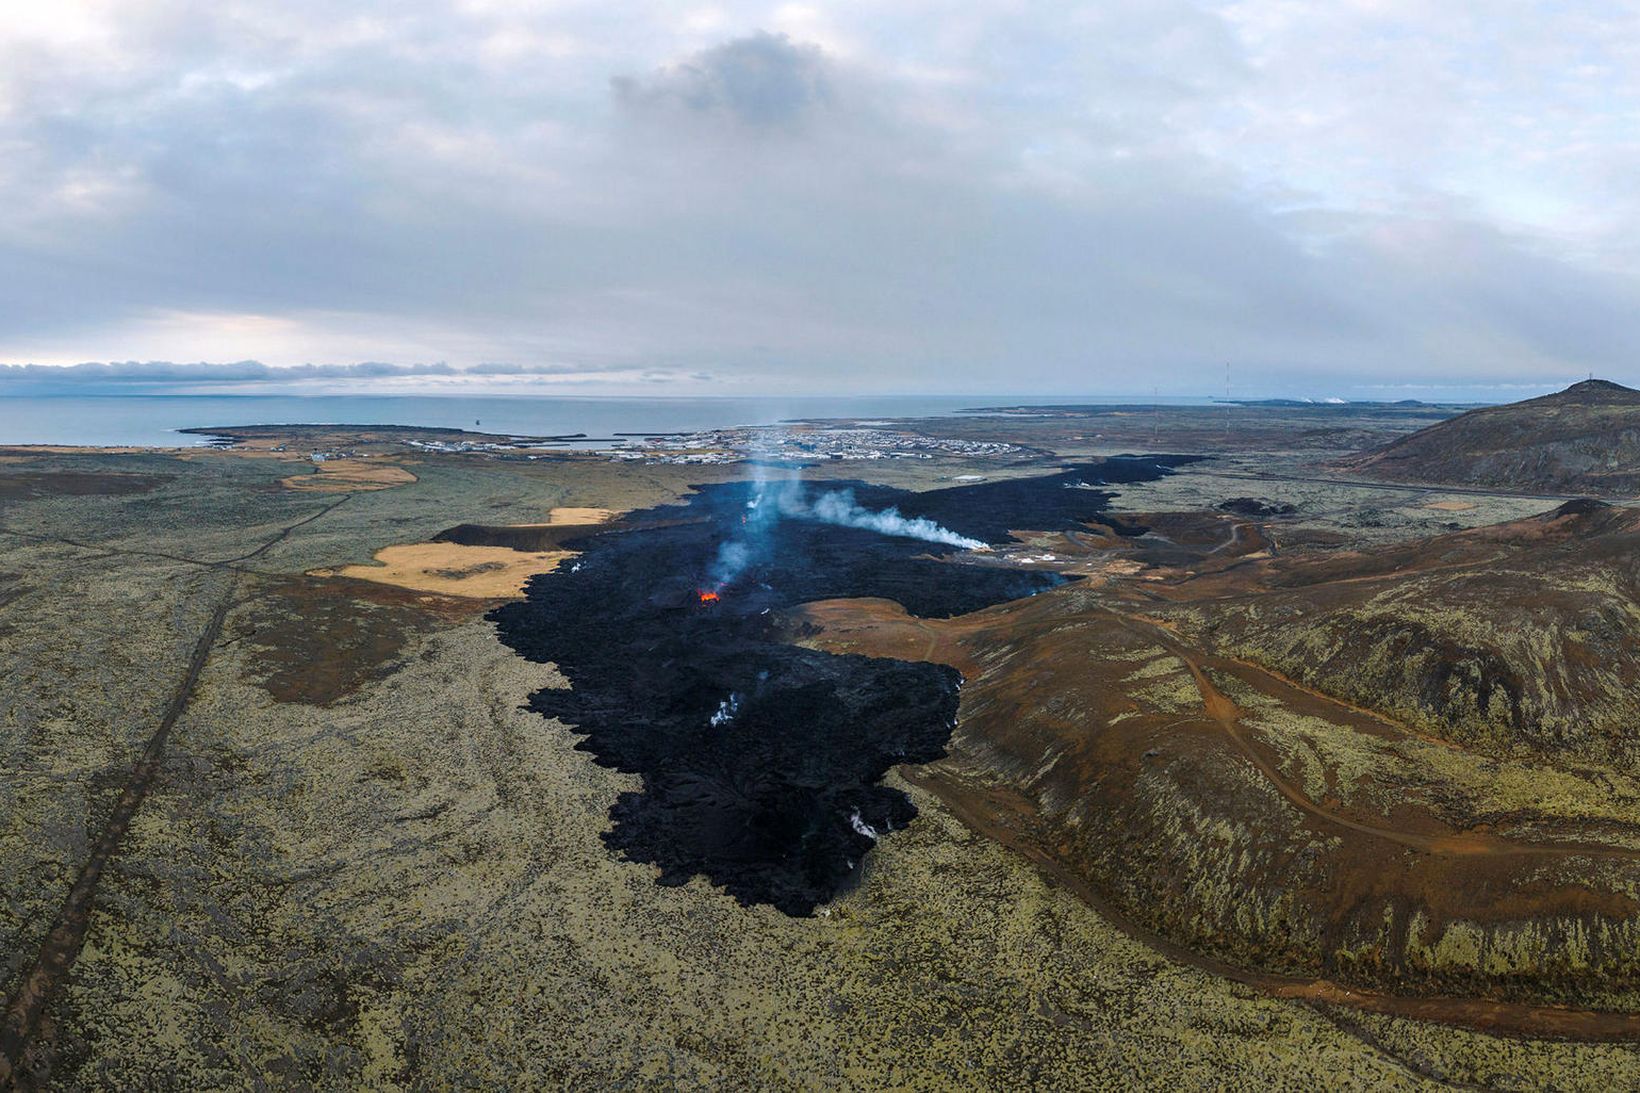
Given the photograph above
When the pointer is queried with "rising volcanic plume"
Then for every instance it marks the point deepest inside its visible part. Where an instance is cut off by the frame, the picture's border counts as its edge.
(788, 498)
(840, 507)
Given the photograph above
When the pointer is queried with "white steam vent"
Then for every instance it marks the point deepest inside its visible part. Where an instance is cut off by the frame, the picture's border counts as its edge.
(725, 712)
(840, 507)
(787, 498)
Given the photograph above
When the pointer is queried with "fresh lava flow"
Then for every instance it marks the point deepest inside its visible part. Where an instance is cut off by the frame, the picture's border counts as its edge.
(761, 760)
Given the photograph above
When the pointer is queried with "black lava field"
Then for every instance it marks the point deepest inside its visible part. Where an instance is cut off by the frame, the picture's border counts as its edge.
(761, 760)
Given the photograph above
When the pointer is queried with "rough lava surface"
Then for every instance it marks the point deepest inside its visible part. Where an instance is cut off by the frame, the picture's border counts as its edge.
(761, 760)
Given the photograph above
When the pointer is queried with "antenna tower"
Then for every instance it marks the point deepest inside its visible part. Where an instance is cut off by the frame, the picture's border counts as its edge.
(1226, 404)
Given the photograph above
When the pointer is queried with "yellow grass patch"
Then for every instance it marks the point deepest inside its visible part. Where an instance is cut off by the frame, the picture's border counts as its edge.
(349, 475)
(1451, 506)
(580, 516)
(450, 569)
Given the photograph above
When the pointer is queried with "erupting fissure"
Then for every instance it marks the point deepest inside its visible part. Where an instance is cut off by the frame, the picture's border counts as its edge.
(772, 792)
(774, 499)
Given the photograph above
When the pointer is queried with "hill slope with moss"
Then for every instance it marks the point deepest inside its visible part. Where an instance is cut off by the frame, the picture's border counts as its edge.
(1585, 439)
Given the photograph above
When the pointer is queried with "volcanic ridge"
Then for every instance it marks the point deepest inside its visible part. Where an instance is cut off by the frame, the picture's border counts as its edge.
(1585, 439)
(1405, 770)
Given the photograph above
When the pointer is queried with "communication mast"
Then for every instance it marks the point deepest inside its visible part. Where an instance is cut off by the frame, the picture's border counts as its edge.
(1227, 404)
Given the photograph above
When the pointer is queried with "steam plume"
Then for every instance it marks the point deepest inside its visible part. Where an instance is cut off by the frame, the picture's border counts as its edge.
(839, 507)
(786, 497)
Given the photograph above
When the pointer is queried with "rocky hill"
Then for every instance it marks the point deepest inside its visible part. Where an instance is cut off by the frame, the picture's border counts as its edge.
(1585, 439)
(1405, 769)
(1510, 638)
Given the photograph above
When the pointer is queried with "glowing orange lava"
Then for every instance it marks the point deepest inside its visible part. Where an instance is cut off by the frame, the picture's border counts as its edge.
(709, 597)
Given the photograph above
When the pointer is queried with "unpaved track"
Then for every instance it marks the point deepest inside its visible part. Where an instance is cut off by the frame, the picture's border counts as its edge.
(62, 945)
(1222, 710)
(1373, 484)
(1002, 817)
(223, 563)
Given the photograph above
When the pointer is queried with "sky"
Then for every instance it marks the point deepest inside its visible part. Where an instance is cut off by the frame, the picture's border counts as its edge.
(1355, 198)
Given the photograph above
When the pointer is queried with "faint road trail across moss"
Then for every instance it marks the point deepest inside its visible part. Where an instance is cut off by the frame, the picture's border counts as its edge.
(221, 563)
(62, 945)
(1224, 712)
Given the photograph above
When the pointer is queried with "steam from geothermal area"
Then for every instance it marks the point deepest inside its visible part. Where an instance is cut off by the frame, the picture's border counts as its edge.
(788, 498)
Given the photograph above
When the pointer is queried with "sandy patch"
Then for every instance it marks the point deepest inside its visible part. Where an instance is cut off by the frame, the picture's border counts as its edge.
(580, 516)
(349, 475)
(1451, 506)
(475, 571)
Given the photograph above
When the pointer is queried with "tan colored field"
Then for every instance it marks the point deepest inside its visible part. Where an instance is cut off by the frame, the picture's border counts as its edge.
(477, 572)
(573, 515)
(1451, 506)
(1426, 822)
(472, 571)
(349, 476)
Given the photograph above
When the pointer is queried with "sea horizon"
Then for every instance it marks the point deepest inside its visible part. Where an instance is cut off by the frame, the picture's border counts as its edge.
(158, 420)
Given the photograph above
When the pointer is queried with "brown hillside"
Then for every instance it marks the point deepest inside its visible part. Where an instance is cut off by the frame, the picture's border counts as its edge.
(1404, 770)
(1520, 637)
(1585, 439)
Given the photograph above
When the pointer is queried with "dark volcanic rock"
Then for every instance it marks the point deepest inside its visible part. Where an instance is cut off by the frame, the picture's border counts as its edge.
(761, 760)
(1581, 506)
(522, 537)
(1256, 506)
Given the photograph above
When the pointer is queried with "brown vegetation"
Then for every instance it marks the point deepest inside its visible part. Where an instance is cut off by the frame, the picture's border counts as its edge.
(453, 570)
(21, 485)
(349, 476)
(317, 642)
(1585, 439)
(1442, 836)
(476, 560)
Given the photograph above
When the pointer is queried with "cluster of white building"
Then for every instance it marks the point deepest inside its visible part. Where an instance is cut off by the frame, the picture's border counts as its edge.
(464, 445)
(732, 445)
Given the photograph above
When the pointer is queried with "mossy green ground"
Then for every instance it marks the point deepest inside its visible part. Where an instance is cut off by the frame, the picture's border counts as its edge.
(407, 888)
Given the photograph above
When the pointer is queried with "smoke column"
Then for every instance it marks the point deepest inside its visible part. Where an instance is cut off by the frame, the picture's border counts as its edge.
(768, 500)
(839, 507)
(786, 497)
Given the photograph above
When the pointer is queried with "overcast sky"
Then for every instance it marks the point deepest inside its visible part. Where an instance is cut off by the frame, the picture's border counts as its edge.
(1372, 198)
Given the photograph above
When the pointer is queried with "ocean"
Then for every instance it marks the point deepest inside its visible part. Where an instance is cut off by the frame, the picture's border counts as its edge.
(154, 420)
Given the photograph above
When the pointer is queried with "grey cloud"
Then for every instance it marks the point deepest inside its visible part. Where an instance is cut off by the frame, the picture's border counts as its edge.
(502, 368)
(231, 372)
(763, 80)
(968, 198)
(203, 372)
